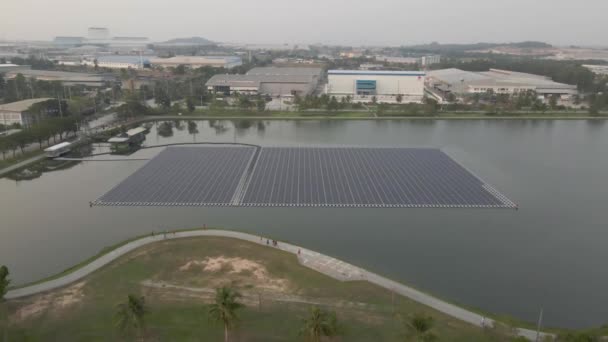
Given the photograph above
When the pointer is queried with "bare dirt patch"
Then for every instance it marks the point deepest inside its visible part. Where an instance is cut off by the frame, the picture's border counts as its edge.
(237, 269)
(53, 302)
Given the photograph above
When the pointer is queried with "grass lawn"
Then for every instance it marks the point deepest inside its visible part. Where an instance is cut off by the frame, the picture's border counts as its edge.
(178, 279)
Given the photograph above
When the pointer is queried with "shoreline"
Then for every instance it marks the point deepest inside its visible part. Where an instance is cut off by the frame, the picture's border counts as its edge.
(148, 118)
(308, 258)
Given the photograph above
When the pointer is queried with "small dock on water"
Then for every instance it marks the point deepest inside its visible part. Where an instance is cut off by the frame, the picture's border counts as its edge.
(128, 141)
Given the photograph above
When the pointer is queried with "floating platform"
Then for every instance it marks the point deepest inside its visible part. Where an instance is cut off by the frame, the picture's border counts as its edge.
(250, 176)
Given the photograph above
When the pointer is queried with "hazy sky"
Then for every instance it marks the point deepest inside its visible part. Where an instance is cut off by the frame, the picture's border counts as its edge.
(369, 22)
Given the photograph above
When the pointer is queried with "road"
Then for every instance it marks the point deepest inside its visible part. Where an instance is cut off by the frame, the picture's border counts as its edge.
(329, 266)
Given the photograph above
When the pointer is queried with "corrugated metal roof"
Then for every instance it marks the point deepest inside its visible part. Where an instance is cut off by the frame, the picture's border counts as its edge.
(123, 59)
(22, 106)
(284, 71)
(57, 147)
(376, 72)
(255, 80)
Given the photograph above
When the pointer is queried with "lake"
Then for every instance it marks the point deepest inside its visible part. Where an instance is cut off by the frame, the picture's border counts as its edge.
(550, 253)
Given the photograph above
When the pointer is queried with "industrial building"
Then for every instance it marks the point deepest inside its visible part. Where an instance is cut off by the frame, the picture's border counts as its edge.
(225, 62)
(17, 112)
(420, 60)
(597, 69)
(67, 78)
(271, 81)
(385, 86)
(119, 62)
(7, 67)
(498, 81)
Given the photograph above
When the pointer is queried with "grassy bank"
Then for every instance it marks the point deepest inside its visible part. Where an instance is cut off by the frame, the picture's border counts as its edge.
(9, 161)
(177, 277)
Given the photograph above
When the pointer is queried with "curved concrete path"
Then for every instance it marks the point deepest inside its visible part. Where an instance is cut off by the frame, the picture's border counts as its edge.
(327, 265)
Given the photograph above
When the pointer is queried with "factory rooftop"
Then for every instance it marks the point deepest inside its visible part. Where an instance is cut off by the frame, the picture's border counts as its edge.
(284, 71)
(21, 106)
(269, 81)
(68, 78)
(376, 72)
(500, 81)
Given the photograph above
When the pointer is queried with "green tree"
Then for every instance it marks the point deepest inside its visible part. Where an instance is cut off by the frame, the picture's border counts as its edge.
(21, 86)
(419, 329)
(553, 101)
(165, 129)
(12, 145)
(190, 104)
(192, 129)
(2, 86)
(244, 101)
(319, 323)
(179, 70)
(225, 308)
(333, 104)
(22, 139)
(4, 147)
(4, 281)
(130, 315)
(578, 337)
(40, 133)
(260, 104)
(131, 108)
(399, 98)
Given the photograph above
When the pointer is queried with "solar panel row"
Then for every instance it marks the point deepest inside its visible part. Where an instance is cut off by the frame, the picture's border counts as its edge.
(184, 176)
(330, 177)
(384, 177)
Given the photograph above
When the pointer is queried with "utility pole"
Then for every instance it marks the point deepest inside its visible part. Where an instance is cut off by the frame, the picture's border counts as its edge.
(540, 322)
(31, 89)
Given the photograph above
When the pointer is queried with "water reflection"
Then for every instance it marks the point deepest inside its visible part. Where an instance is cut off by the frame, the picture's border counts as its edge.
(165, 129)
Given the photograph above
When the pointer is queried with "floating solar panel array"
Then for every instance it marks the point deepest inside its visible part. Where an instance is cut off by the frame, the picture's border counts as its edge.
(184, 176)
(305, 177)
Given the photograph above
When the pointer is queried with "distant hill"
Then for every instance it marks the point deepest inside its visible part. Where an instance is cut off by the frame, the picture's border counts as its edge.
(189, 41)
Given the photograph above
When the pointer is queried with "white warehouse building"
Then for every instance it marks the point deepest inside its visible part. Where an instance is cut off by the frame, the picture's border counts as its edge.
(362, 85)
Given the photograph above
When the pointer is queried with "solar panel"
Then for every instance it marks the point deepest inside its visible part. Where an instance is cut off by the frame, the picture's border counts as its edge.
(184, 176)
(305, 177)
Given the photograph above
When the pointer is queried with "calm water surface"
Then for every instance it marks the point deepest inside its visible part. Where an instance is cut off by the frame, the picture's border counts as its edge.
(552, 252)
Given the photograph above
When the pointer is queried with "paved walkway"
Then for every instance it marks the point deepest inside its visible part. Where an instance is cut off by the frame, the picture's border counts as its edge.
(327, 265)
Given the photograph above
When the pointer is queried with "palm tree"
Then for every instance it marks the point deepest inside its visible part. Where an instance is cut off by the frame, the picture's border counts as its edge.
(224, 310)
(319, 323)
(419, 329)
(130, 314)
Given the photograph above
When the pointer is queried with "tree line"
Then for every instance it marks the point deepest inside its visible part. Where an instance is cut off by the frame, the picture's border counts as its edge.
(41, 132)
